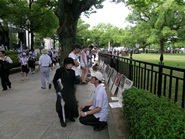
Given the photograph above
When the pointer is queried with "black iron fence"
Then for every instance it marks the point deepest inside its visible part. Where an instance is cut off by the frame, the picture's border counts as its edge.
(156, 78)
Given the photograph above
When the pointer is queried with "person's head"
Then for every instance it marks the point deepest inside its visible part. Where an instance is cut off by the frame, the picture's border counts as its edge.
(95, 67)
(44, 51)
(84, 48)
(23, 54)
(68, 63)
(2, 53)
(91, 47)
(96, 78)
(76, 48)
(30, 53)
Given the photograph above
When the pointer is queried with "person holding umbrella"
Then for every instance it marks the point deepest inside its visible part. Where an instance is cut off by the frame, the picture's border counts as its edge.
(67, 93)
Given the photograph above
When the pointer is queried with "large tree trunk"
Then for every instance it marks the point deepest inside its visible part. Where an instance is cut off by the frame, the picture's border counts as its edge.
(68, 13)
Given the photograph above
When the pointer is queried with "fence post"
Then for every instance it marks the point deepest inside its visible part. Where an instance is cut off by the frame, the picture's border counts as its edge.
(130, 66)
(160, 75)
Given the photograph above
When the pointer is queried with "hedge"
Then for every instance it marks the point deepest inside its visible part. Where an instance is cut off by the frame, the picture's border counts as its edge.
(151, 117)
(14, 56)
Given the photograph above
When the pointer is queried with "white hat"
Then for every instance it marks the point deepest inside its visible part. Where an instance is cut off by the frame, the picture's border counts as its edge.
(2, 48)
(23, 54)
(98, 75)
(44, 51)
(30, 52)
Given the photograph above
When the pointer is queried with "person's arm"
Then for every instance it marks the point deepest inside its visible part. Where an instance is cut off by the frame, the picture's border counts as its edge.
(88, 104)
(8, 59)
(55, 79)
(93, 111)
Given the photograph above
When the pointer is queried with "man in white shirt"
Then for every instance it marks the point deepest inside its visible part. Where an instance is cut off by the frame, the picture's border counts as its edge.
(95, 113)
(75, 56)
(44, 65)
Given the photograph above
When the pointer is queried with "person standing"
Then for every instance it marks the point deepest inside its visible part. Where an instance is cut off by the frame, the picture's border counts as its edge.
(4, 70)
(31, 62)
(95, 113)
(68, 80)
(44, 65)
(75, 57)
(84, 65)
(24, 66)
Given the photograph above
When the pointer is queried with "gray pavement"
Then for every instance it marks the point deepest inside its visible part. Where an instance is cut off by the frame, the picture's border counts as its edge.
(28, 112)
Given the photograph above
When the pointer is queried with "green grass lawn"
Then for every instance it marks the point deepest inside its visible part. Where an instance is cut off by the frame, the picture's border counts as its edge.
(174, 60)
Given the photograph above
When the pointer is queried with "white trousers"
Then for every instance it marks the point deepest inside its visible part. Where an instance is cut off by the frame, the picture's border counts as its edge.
(45, 75)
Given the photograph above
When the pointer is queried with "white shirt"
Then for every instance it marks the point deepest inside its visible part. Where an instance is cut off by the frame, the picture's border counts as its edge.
(100, 99)
(45, 60)
(24, 61)
(8, 59)
(75, 57)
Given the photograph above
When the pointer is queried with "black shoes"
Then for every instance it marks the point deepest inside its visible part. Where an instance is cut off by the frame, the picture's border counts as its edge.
(43, 88)
(4, 89)
(9, 86)
(62, 123)
(50, 86)
(100, 127)
(72, 119)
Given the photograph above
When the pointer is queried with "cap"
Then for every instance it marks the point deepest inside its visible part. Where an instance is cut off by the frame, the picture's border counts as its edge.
(30, 52)
(2, 48)
(98, 75)
(23, 54)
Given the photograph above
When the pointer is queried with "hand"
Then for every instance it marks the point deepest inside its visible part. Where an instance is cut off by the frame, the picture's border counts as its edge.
(82, 107)
(82, 114)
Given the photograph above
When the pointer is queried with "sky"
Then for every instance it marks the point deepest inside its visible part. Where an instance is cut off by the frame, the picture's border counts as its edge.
(112, 13)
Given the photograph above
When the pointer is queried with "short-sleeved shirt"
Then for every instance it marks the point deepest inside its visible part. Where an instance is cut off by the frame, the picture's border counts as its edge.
(100, 99)
(45, 60)
(75, 57)
(24, 61)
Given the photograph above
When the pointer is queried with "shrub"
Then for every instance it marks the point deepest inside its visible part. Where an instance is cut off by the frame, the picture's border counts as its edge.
(13, 56)
(151, 117)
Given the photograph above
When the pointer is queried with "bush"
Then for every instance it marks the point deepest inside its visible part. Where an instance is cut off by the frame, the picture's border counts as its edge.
(151, 117)
(13, 56)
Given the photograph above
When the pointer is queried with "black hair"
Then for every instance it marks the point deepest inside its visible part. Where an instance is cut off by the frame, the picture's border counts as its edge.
(76, 46)
(68, 60)
(3, 52)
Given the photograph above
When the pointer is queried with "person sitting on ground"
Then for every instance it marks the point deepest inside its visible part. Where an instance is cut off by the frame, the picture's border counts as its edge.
(95, 113)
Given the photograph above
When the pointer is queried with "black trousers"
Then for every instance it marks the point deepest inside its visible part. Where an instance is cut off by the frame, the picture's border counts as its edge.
(5, 79)
(59, 108)
(90, 119)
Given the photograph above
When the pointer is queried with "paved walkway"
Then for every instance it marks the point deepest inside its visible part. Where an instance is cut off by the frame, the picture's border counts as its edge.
(28, 112)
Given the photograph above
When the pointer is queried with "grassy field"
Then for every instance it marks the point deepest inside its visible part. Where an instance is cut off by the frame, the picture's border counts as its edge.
(175, 60)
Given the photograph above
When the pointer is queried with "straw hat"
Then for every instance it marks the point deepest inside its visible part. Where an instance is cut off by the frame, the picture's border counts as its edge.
(44, 51)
